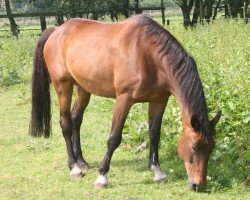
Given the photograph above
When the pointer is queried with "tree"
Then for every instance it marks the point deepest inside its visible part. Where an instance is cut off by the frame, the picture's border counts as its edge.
(216, 9)
(137, 7)
(186, 7)
(233, 8)
(203, 9)
(13, 25)
(207, 9)
(245, 10)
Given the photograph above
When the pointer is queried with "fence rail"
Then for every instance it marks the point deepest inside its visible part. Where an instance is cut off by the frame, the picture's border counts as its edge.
(43, 15)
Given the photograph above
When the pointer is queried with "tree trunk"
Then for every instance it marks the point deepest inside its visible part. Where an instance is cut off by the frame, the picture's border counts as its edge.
(43, 22)
(126, 9)
(186, 9)
(216, 9)
(95, 16)
(226, 10)
(73, 8)
(13, 25)
(229, 8)
(186, 16)
(201, 11)
(245, 9)
(137, 7)
(196, 12)
(208, 6)
(59, 19)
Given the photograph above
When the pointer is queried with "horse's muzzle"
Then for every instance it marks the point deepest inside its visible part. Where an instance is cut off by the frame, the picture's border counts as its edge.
(194, 187)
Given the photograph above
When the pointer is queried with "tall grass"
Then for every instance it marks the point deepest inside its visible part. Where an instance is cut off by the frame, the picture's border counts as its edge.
(16, 57)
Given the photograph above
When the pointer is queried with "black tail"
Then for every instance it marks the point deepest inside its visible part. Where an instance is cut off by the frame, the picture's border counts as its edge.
(40, 124)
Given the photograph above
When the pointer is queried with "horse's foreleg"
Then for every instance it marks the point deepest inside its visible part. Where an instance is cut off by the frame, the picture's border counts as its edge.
(81, 102)
(156, 111)
(64, 91)
(122, 107)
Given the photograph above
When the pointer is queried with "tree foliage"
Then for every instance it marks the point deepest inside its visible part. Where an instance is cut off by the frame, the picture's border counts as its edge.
(193, 11)
(73, 7)
(206, 10)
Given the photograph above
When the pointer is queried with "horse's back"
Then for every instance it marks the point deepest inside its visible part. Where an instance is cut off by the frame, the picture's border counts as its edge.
(105, 59)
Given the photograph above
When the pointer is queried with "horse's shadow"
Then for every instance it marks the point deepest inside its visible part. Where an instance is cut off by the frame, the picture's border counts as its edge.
(219, 178)
(134, 164)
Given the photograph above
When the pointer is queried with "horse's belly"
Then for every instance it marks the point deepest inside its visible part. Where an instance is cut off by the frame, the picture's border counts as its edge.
(100, 89)
(95, 82)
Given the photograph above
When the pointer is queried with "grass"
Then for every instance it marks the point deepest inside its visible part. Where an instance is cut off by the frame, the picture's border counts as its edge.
(36, 168)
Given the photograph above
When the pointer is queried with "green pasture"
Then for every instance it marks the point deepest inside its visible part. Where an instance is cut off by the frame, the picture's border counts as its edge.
(32, 168)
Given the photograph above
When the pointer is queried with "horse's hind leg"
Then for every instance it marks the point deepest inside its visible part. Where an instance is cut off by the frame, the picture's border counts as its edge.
(81, 102)
(64, 91)
(156, 111)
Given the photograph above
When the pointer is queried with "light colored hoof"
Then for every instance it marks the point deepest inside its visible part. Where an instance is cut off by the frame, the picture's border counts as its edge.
(160, 176)
(76, 177)
(101, 182)
(100, 186)
(76, 173)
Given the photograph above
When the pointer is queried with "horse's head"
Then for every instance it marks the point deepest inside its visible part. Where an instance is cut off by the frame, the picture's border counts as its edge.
(194, 150)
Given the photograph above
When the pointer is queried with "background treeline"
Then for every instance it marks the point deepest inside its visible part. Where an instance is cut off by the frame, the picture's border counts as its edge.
(193, 11)
(208, 9)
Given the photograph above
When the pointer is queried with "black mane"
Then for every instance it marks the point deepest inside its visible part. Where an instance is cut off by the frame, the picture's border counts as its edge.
(183, 69)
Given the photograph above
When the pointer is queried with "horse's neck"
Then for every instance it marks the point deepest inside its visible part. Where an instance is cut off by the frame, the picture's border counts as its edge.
(187, 114)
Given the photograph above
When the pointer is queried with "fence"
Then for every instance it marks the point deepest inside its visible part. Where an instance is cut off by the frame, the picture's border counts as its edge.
(42, 15)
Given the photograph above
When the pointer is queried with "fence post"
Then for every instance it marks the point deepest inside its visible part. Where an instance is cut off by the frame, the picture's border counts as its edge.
(168, 22)
(43, 22)
(163, 13)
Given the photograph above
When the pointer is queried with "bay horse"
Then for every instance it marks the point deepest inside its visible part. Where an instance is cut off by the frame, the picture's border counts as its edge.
(136, 60)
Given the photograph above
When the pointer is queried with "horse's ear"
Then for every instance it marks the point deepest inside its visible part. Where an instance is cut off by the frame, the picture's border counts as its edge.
(215, 120)
(195, 123)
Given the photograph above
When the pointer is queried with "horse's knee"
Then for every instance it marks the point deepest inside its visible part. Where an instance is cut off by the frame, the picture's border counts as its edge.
(66, 125)
(76, 118)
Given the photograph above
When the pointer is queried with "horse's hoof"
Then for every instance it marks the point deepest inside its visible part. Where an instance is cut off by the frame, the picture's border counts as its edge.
(160, 177)
(84, 166)
(101, 182)
(99, 186)
(76, 177)
(76, 173)
(159, 181)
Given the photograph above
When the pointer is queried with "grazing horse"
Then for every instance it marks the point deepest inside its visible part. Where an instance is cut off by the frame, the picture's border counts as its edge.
(136, 60)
